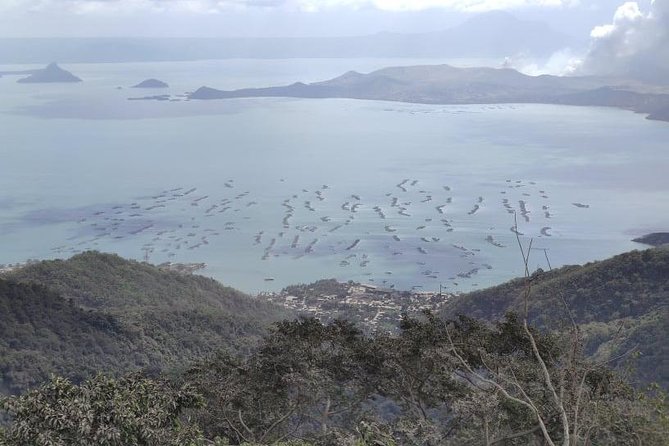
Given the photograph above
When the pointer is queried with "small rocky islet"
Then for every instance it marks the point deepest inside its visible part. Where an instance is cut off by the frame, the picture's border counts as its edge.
(151, 83)
(654, 239)
(52, 73)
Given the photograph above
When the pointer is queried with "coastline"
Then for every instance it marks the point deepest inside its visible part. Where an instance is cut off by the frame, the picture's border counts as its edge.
(448, 85)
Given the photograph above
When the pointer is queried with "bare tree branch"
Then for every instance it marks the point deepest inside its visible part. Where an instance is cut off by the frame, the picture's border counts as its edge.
(277, 422)
(516, 435)
(547, 378)
(501, 389)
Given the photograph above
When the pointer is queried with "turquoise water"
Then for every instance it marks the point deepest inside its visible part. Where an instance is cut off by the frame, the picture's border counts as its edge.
(395, 194)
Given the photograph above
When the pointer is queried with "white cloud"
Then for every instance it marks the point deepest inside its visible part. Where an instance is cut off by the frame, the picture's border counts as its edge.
(628, 12)
(559, 63)
(417, 5)
(601, 31)
(210, 6)
(133, 6)
(636, 44)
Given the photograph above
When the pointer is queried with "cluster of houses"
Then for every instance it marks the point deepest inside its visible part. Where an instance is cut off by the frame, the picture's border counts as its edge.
(371, 306)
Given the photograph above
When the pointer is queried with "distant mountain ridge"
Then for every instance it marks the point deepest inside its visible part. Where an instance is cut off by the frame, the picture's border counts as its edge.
(445, 84)
(493, 34)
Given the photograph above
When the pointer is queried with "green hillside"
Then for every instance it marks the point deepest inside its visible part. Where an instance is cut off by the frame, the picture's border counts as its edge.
(435, 381)
(101, 312)
(41, 333)
(620, 303)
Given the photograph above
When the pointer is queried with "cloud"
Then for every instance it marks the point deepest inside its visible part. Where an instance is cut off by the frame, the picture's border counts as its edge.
(559, 63)
(135, 6)
(634, 44)
(213, 6)
(418, 5)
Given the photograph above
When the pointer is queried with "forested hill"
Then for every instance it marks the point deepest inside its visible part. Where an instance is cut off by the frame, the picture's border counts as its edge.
(101, 312)
(620, 303)
(41, 333)
(433, 382)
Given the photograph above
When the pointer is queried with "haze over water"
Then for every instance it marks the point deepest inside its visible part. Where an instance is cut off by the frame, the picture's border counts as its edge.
(297, 190)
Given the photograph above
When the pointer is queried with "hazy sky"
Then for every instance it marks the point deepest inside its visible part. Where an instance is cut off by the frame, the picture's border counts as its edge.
(246, 18)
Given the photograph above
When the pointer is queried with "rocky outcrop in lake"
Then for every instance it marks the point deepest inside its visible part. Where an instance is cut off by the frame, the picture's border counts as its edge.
(654, 239)
(51, 74)
(151, 83)
(661, 114)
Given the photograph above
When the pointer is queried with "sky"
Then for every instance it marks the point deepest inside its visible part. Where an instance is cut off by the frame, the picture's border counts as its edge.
(618, 37)
(280, 18)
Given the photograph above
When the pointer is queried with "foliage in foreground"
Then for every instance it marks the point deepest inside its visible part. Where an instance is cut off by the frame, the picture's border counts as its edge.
(101, 411)
(436, 383)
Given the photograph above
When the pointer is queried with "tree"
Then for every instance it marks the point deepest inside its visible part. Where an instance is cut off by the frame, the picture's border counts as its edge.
(304, 380)
(101, 411)
(438, 382)
(557, 395)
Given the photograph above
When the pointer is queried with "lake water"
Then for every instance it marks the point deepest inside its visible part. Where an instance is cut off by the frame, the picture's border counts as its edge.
(296, 190)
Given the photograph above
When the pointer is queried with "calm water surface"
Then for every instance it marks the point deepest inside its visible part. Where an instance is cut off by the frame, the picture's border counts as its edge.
(295, 190)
